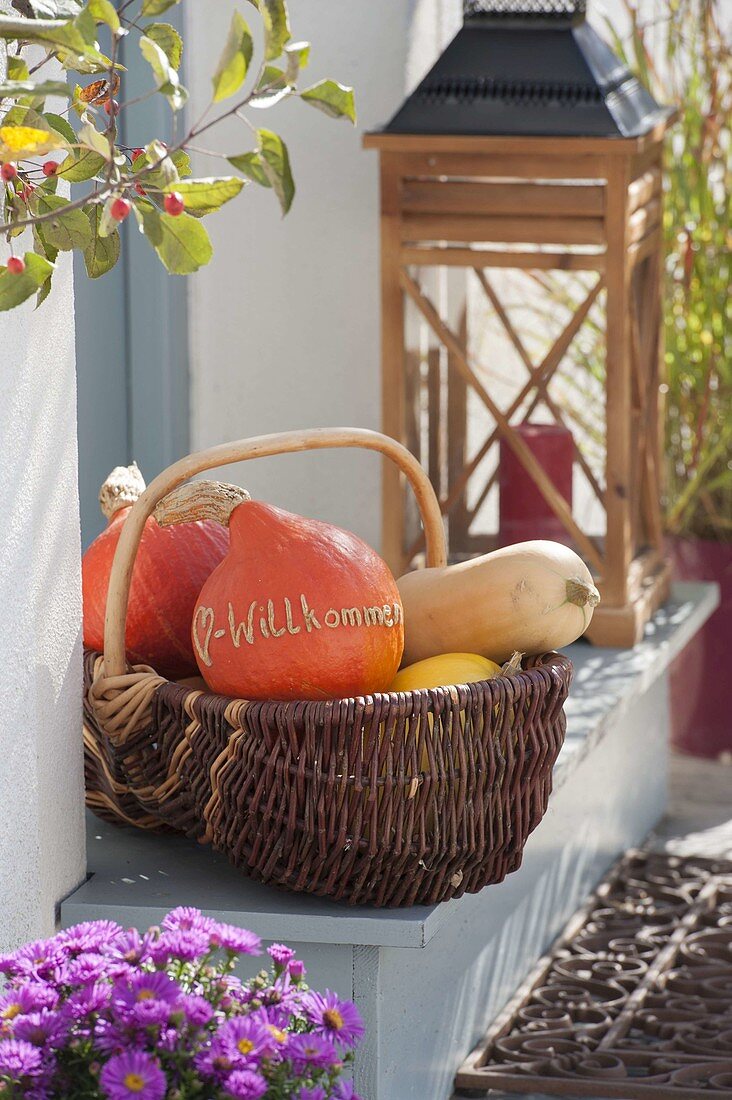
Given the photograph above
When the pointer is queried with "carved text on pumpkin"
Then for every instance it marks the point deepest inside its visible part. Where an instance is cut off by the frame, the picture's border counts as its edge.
(261, 621)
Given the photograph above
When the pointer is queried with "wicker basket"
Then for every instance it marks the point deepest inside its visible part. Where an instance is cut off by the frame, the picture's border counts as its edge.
(387, 800)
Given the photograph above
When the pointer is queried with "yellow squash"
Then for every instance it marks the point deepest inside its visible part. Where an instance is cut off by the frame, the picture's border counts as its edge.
(448, 668)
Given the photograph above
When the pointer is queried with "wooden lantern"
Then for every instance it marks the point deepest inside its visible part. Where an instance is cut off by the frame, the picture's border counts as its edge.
(548, 159)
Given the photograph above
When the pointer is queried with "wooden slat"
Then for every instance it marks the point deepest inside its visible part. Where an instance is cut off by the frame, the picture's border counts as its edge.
(522, 199)
(392, 368)
(483, 257)
(524, 454)
(459, 227)
(643, 220)
(618, 476)
(499, 145)
(476, 166)
(643, 189)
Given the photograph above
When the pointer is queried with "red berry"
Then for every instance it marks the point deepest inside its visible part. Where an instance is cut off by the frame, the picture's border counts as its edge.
(137, 153)
(120, 209)
(16, 266)
(174, 204)
(50, 168)
(8, 172)
(140, 189)
(27, 191)
(112, 107)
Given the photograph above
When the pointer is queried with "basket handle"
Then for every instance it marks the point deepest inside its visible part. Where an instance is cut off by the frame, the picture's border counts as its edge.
(262, 446)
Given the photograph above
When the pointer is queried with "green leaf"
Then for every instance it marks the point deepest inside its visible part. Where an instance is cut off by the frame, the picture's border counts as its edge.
(65, 231)
(17, 68)
(93, 139)
(43, 248)
(168, 39)
(157, 7)
(298, 56)
(333, 98)
(271, 87)
(276, 27)
(204, 196)
(182, 162)
(56, 9)
(182, 242)
(102, 253)
(104, 12)
(166, 77)
(276, 166)
(251, 166)
(50, 32)
(44, 291)
(17, 88)
(61, 126)
(234, 62)
(14, 289)
(82, 165)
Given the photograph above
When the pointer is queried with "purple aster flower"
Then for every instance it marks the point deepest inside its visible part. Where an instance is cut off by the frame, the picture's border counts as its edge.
(230, 938)
(133, 948)
(28, 998)
(280, 954)
(245, 1084)
(149, 1013)
(83, 1002)
(311, 1051)
(186, 945)
(187, 919)
(43, 1029)
(83, 969)
(243, 1040)
(311, 1094)
(143, 986)
(133, 1075)
(212, 1063)
(19, 1059)
(345, 1091)
(338, 1020)
(197, 1010)
(36, 960)
(90, 936)
(296, 970)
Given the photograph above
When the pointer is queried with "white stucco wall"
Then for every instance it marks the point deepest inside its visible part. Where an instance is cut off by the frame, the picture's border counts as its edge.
(284, 323)
(41, 778)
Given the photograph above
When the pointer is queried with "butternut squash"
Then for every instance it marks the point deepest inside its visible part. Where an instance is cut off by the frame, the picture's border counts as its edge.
(532, 597)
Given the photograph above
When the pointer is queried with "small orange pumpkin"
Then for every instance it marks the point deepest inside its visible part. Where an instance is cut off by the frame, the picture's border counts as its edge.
(169, 571)
(298, 608)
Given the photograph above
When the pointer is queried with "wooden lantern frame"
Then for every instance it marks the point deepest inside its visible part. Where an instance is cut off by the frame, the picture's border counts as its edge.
(571, 204)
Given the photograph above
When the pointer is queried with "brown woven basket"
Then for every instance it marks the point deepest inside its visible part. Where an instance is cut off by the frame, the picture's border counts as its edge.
(386, 800)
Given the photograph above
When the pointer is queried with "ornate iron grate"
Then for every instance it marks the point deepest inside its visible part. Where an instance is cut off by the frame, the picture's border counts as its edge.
(467, 89)
(635, 999)
(517, 8)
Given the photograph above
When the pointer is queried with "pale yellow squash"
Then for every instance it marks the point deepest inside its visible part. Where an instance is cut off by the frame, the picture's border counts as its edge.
(532, 597)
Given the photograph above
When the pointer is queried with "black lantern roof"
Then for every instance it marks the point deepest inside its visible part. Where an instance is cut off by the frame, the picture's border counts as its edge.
(528, 67)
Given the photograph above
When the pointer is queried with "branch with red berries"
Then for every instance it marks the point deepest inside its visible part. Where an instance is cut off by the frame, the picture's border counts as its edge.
(41, 148)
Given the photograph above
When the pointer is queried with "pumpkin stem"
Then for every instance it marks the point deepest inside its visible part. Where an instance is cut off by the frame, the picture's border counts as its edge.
(200, 500)
(122, 488)
(581, 593)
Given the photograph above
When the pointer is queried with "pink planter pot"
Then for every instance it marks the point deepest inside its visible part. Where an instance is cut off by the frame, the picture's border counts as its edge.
(701, 722)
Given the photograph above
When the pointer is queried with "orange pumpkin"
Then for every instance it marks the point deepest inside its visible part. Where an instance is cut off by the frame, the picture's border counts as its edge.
(170, 569)
(298, 609)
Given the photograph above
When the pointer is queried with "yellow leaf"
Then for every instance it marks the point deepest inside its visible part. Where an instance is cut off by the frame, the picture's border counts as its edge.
(19, 142)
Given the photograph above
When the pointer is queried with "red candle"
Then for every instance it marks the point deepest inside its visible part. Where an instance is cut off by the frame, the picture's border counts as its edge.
(523, 511)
